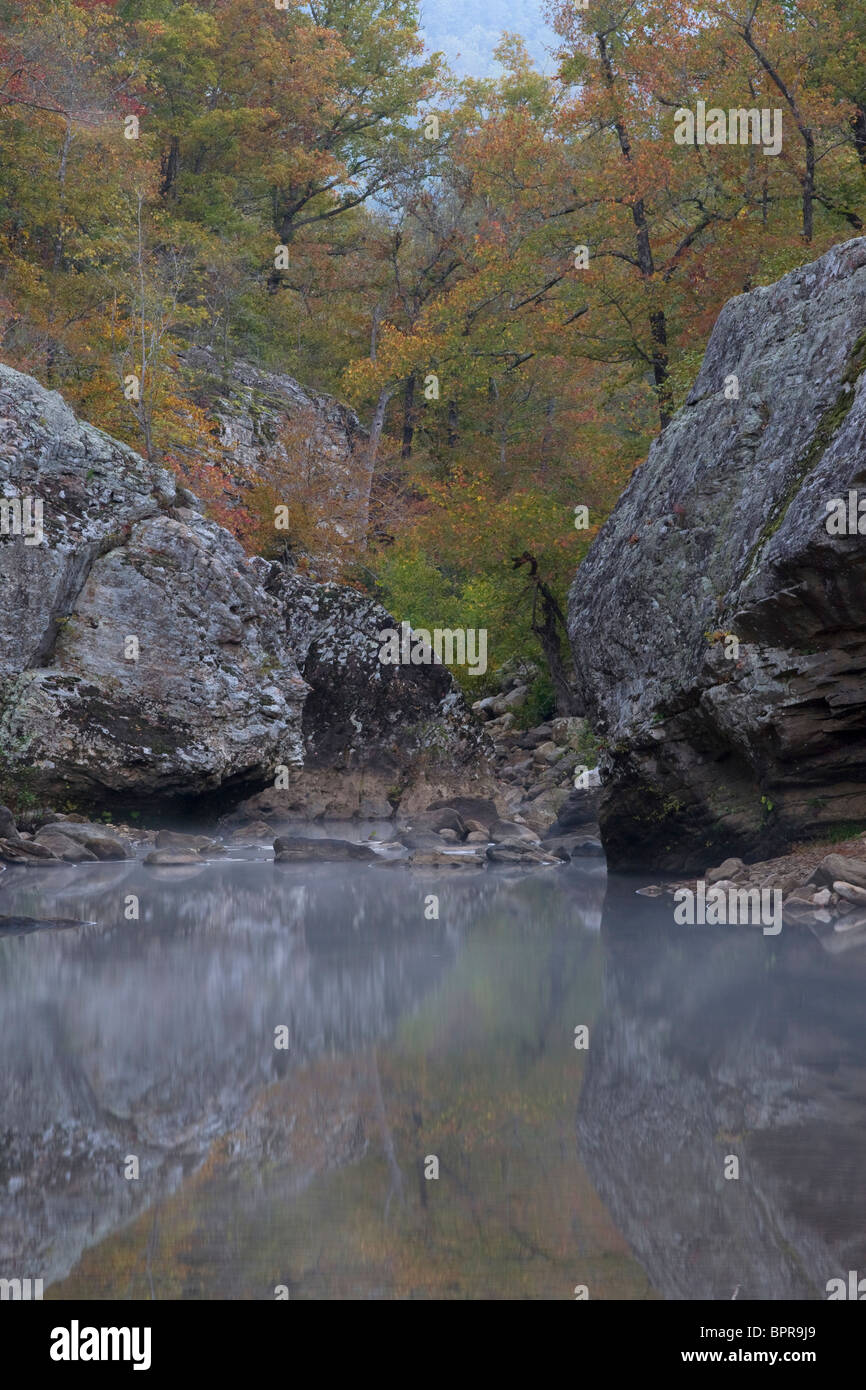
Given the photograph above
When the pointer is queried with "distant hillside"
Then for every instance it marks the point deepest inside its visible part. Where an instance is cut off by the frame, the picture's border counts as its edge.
(467, 33)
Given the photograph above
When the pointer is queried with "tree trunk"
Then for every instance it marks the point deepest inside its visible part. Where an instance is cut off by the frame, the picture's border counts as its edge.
(169, 165)
(657, 323)
(408, 418)
(453, 424)
(808, 185)
(377, 424)
(858, 125)
(547, 632)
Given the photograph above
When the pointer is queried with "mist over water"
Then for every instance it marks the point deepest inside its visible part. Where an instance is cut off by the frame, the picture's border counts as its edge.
(409, 1038)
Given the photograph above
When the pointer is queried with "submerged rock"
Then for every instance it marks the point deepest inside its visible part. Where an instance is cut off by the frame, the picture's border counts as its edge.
(717, 624)
(172, 858)
(295, 848)
(23, 926)
(523, 852)
(433, 859)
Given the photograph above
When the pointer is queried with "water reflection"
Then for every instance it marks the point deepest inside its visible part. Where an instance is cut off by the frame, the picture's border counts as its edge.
(155, 1038)
(715, 1042)
(416, 1037)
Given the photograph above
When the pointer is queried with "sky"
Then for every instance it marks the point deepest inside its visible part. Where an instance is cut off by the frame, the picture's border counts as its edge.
(467, 31)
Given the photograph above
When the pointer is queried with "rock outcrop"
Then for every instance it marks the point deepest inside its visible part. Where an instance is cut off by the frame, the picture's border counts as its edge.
(270, 428)
(717, 624)
(375, 735)
(138, 656)
(145, 659)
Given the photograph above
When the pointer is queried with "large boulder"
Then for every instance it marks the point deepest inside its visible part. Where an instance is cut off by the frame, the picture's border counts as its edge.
(210, 695)
(714, 745)
(144, 658)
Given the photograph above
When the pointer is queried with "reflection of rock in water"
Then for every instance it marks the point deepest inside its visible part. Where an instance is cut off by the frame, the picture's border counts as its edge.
(153, 1037)
(717, 1041)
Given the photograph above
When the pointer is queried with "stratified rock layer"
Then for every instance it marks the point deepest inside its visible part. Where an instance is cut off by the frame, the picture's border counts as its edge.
(715, 748)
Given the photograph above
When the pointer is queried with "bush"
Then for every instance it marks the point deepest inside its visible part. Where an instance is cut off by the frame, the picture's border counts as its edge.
(540, 704)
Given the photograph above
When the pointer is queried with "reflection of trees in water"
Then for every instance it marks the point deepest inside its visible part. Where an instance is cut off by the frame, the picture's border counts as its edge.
(721, 1041)
(322, 1187)
(153, 1036)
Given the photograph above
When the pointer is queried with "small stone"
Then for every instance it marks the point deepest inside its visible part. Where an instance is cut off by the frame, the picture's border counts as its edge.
(851, 892)
(730, 868)
(257, 832)
(512, 830)
(540, 755)
(171, 858)
(838, 866)
(52, 840)
(430, 859)
(175, 839)
(297, 848)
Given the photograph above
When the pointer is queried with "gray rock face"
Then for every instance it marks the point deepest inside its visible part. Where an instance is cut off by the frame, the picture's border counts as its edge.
(213, 694)
(372, 732)
(712, 746)
(145, 658)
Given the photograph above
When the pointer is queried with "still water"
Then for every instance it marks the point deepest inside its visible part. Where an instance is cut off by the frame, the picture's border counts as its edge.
(417, 1043)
